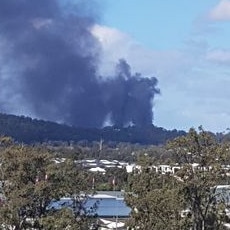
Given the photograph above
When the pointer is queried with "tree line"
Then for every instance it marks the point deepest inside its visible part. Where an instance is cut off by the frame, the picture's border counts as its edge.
(28, 130)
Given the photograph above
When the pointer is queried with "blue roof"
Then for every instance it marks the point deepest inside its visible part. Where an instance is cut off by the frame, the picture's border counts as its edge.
(109, 207)
(102, 207)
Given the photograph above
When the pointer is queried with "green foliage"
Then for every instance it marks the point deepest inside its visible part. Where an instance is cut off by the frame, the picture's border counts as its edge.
(155, 201)
(201, 158)
(104, 182)
(159, 200)
(31, 180)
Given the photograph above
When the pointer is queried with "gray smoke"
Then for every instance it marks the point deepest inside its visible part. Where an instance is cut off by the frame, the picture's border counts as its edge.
(48, 64)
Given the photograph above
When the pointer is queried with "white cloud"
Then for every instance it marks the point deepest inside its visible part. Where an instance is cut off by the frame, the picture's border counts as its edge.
(219, 56)
(41, 22)
(116, 45)
(221, 12)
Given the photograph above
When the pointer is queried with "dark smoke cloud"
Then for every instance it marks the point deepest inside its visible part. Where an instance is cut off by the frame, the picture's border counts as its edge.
(49, 62)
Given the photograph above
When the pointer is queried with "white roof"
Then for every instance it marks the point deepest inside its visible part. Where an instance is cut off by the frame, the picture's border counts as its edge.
(112, 224)
(102, 196)
(107, 162)
(90, 160)
(97, 169)
(222, 186)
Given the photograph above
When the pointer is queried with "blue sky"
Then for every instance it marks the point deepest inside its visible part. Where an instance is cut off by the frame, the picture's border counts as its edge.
(185, 44)
(156, 24)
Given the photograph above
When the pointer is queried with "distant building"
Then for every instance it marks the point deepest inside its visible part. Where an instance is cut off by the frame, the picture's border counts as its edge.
(108, 206)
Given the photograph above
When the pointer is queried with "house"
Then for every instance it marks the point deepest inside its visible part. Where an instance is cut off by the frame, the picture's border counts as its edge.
(108, 206)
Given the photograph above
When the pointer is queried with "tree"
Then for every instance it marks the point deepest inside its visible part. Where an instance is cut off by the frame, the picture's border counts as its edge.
(201, 159)
(189, 199)
(154, 199)
(31, 181)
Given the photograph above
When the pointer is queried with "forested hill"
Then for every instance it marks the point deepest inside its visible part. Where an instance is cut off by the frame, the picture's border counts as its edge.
(28, 130)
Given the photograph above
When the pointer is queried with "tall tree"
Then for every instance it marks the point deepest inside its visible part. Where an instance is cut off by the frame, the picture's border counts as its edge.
(31, 181)
(158, 200)
(201, 159)
(154, 199)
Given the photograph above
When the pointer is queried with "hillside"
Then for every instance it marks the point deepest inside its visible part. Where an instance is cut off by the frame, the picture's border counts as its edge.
(28, 130)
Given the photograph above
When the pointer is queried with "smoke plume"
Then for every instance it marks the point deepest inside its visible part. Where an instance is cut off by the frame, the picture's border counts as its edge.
(48, 68)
